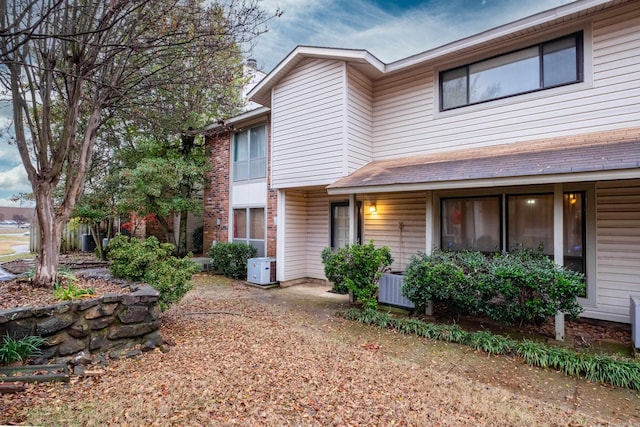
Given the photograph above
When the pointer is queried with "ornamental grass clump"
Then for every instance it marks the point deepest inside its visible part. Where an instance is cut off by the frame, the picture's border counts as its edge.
(612, 370)
(18, 350)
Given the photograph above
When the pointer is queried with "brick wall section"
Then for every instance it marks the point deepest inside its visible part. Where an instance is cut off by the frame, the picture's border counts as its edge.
(216, 193)
(153, 228)
(216, 190)
(272, 204)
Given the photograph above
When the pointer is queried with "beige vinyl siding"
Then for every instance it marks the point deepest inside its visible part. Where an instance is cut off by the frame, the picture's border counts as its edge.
(295, 235)
(360, 117)
(306, 233)
(308, 125)
(407, 120)
(318, 223)
(618, 248)
(383, 227)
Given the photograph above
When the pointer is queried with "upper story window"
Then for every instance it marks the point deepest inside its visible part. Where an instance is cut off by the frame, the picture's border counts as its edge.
(250, 154)
(543, 66)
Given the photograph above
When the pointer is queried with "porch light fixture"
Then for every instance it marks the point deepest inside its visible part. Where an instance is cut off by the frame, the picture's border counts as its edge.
(372, 208)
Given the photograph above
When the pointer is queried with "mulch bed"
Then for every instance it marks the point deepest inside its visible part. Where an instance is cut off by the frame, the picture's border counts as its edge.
(20, 293)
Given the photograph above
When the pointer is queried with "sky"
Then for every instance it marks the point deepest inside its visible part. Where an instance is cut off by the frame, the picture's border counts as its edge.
(388, 30)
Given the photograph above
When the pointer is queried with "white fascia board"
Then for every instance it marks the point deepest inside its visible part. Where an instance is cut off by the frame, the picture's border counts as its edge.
(490, 182)
(355, 55)
(239, 118)
(497, 32)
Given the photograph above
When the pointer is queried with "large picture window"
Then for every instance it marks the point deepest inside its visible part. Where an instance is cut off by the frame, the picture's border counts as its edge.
(550, 64)
(476, 223)
(471, 224)
(249, 227)
(530, 222)
(250, 154)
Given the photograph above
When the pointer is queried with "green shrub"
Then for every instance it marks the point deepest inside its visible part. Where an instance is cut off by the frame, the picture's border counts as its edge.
(18, 350)
(359, 268)
(171, 278)
(335, 264)
(440, 277)
(230, 259)
(517, 287)
(526, 286)
(132, 257)
(151, 261)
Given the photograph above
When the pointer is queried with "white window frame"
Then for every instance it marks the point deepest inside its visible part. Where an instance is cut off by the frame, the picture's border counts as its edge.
(251, 164)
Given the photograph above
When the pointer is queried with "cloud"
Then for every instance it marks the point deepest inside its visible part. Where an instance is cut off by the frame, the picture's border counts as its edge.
(15, 179)
(389, 32)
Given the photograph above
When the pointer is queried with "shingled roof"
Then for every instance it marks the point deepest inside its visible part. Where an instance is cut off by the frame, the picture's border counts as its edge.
(612, 151)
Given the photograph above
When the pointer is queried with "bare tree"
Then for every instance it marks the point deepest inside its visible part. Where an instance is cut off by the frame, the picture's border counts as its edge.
(69, 64)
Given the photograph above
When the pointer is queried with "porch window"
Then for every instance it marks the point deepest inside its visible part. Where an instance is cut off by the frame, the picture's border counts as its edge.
(574, 231)
(530, 222)
(543, 66)
(475, 223)
(249, 227)
(250, 154)
(471, 224)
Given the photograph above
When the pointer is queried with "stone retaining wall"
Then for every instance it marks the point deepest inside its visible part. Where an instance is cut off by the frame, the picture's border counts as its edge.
(97, 325)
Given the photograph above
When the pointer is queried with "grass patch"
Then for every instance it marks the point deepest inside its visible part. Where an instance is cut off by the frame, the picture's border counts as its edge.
(612, 370)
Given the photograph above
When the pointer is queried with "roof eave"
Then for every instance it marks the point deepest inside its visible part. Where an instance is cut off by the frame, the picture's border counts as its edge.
(492, 34)
(608, 175)
(261, 93)
(237, 119)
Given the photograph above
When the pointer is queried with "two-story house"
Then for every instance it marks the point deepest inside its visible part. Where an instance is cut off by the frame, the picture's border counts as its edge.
(525, 135)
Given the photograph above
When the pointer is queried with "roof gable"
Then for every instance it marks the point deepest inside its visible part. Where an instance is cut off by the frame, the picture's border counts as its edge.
(374, 68)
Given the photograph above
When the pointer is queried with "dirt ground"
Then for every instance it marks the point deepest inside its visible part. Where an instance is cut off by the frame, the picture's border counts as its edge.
(246, 356)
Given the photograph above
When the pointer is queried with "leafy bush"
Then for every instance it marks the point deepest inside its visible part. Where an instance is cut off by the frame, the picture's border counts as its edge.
(518, 287)
(359, 268)
(443, 277)
(526, 287)
(334, 267)
(171, 278)
(18, 350)
(230, 259)
(131, 258)
(151, 261)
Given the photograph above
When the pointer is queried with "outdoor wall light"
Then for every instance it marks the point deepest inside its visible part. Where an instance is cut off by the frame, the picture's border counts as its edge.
(372, 208)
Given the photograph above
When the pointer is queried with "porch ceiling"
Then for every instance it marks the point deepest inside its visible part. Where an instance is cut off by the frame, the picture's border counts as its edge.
(612, 155)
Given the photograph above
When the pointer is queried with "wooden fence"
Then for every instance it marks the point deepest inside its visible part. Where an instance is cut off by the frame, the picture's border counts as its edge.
(71, 237)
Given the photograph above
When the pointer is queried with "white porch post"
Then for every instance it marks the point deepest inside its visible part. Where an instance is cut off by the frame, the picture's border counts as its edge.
(558, 248)
(352, 219)
(280, 236)
(352, 233)
(429, 228)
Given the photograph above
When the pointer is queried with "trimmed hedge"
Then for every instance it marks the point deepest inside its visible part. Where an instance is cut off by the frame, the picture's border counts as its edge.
(230, 259)
(518, 287)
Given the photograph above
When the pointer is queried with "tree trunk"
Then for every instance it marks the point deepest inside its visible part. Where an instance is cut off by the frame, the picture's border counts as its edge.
(50, 226)
(182, 234)
(168, 231)
(97, 238)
